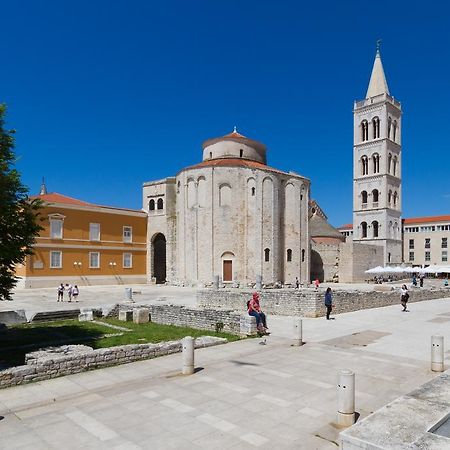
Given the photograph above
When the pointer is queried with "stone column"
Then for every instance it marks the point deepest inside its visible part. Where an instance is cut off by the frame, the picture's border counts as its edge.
(437, 353)
(297, 332)
(346, 398)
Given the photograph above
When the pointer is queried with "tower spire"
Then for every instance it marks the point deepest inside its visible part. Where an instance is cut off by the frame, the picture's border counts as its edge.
(43, 190)
(377, 84)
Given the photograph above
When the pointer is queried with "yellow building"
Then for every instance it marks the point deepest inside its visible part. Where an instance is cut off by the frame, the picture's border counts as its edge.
(86, 244)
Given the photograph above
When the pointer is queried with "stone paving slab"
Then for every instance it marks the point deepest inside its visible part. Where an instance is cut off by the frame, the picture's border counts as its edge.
(247, 396)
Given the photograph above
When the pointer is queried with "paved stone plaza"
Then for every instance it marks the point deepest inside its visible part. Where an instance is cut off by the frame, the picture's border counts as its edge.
(244, 395)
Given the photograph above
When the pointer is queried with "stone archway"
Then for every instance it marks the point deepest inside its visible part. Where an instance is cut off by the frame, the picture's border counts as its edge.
(159, 258)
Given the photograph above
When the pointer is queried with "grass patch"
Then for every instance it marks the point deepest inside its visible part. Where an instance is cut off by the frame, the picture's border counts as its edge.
(17, 340)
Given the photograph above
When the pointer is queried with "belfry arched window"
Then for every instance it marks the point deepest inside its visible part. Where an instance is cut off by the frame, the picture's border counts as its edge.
(364, 165)
(376, 127)
(394, 131)
(266, 255)
(363, 229)
(364, 131)
(395, 199)
(389, 163)
(389, 197)
(394, 165)
(376, 162)
(151, 205)
(375, 196)
(364, 198)
(160, 203)
(389, 126)
(375, 227)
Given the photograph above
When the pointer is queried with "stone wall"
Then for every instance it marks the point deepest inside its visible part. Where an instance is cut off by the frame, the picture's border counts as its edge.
(202, 319)
(67, 360)
(324, 261)
(308, 302)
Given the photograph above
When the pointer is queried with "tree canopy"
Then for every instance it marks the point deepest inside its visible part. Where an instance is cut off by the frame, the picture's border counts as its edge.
(19, 215)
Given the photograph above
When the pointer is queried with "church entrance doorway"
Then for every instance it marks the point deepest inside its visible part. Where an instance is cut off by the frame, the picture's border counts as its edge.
(159, 258)
(227, 270)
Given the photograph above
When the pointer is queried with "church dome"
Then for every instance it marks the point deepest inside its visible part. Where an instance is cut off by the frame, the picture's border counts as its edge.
(234, 145)
(322, 232)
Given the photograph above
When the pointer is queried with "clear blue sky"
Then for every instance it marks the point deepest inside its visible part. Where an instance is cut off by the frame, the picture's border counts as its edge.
(108, 94)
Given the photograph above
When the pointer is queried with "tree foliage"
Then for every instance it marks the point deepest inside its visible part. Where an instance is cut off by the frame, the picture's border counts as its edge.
(19, 216)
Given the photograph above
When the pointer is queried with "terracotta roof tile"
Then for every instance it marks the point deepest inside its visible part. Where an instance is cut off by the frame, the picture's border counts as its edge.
(428, 219)
(54, 197)
(347, 226)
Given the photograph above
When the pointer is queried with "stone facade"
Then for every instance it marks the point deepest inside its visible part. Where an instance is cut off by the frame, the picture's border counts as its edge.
(231, 216)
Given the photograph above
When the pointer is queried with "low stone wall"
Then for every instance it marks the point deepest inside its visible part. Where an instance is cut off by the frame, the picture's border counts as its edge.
(308, 302)
(66, 360)
(202, 319)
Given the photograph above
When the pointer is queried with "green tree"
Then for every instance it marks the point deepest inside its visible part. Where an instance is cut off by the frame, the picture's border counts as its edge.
(19, 216)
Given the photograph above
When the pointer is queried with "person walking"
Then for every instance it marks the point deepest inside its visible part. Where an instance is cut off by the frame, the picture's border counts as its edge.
(75, 292)
(421, 276)
(69, 291)
(297, 283)
(404, 297)
(414, 281)
(60, 293)
(328, 302)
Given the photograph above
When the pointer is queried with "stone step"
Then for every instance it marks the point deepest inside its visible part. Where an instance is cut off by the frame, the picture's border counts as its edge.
(47, 316)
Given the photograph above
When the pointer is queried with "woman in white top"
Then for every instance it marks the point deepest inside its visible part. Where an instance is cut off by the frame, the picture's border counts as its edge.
(404, 297)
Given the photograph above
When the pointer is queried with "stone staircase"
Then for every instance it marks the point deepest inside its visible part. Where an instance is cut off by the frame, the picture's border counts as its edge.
(47, 316)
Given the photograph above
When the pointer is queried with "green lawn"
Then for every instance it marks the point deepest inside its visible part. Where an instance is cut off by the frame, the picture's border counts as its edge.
(16, 341)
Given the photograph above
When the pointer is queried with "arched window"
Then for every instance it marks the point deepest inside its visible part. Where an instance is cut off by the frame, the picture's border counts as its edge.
(253, 191)
(389, 163)
(210, 155)
(364, 197)
(394, 165)
(289, 255)
(389, 125)
(394, 131)
(178, 187)
(395, 230)
(375, 196)
(376, 127)
(395, 199)
(364, 131)
(225, 195)
(376, 162)
(266, 255)
(390, 229)
(160, 203)
(241, 153)
(375, 228)
(151, 205)
(303, 255)
(363, 229)
(389, 197)
(364, 165)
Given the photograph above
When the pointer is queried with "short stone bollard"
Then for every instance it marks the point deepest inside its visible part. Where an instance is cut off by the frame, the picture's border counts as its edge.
(346, 398)
(141, 315)
(297, 332)
(187, 345)
(258, 286)
(128, 295)
(126, 315)
(437, 353)
(216, 282)
(86, 316)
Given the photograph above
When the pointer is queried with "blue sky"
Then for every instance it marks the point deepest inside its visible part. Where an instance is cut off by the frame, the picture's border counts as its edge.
(108, 94)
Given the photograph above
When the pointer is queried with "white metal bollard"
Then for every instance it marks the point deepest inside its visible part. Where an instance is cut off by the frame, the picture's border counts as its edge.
(188, 355)
(297, 332)
(437, 353)
(346, 398)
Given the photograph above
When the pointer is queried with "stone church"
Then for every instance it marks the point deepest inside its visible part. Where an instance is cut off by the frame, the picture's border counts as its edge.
(231, 216)
(234, 217)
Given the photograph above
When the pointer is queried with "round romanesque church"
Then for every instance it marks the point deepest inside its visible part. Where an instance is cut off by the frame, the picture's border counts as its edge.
(231, 216)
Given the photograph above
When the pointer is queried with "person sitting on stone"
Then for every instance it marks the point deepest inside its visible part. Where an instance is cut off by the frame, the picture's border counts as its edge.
(254, 310)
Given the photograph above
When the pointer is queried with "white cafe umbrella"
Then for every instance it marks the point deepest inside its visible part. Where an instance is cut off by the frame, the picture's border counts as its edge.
(445, 269)
(375, 270)
(434, 268)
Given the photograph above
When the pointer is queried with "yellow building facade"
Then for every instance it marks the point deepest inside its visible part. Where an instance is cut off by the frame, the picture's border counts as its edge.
(86, 244)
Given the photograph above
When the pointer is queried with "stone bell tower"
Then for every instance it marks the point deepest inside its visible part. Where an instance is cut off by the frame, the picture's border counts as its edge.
(377, 155)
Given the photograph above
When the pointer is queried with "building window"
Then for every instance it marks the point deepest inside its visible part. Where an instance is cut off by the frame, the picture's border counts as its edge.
(444, 255)
(427, 256)
(253, 191)
(127, 234)
(94, 260)
(394, 131)
(364, 165)
(376, 127)
(160, 203)
(364, 198)
(389, 125)
(389, 163)
(394, 165)
(389, 197)
(364, 131)
(127, 260)
(151, 205)
(266, 255)
(56, 229)
(395, 199)
(444, 243)
(303, 255)
(55, 260)
(241, 153)
(376, 163)
(289, 255)
(210, 155)
(375, 228)
(363, 229)
(94, 231)
(427, 242)
(375, 196)
(225, 195)
(411, 243)
(411, 256)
